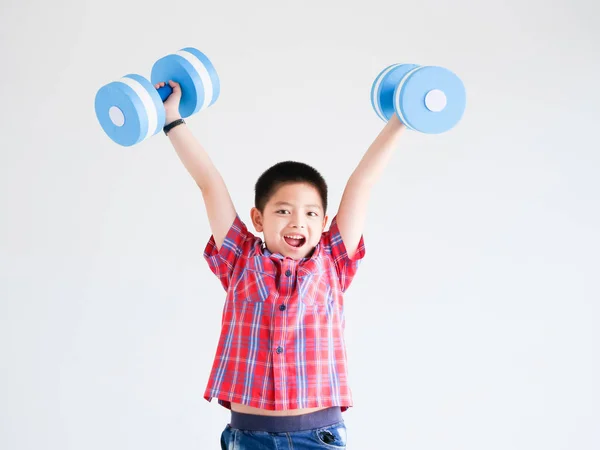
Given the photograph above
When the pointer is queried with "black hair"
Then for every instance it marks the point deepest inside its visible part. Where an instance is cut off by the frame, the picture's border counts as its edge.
(286, 172)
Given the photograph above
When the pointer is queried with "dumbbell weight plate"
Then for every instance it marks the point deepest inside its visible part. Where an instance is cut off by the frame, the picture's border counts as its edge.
(384, 86)
(195, 73)
(129, 110)
(430, 99)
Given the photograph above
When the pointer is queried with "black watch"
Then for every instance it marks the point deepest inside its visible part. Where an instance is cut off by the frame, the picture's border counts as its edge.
(172, 125)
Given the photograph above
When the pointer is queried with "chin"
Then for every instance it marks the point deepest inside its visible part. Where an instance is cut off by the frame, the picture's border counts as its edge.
(296, 254)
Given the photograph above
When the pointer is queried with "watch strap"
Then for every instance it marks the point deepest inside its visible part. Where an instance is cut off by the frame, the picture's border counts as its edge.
(172, 125)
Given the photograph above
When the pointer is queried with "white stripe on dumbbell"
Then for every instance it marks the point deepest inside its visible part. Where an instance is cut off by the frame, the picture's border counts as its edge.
(397, 96)
(204, 76)
(378, 81)
(148, 103)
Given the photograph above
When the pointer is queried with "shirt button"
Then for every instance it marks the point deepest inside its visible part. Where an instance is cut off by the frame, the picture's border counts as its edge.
(288, 273)
(282, 307)
(279, 350)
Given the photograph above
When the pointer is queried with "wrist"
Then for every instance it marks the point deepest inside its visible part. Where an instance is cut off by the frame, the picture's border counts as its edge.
(396, 123)
(172, 118)
(170, 125)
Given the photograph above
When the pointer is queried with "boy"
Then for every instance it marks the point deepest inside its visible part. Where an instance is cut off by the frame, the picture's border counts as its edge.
(280, 365)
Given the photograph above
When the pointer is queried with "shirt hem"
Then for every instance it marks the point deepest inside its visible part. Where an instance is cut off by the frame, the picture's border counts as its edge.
(225, 401)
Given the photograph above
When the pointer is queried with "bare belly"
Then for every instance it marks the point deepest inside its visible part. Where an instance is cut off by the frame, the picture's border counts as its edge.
(267, 412)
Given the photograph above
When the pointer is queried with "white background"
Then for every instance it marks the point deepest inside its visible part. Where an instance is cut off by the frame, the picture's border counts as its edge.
(473, 322)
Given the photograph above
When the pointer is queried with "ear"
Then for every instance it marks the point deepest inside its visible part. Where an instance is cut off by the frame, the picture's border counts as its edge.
(257, 219)
(325, 219)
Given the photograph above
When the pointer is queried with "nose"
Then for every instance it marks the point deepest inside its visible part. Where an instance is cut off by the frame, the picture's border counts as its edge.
(297, 221)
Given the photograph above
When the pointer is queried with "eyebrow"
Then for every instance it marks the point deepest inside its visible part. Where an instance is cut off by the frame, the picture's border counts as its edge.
(312, 205)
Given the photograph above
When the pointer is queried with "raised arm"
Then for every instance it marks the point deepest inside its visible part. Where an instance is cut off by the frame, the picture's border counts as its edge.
(219, 206)
(353, 205)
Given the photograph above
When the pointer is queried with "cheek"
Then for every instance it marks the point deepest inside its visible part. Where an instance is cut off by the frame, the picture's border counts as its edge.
(271, 229)
(315, 233)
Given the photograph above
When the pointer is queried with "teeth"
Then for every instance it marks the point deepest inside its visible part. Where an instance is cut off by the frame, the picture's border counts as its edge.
(294, 236)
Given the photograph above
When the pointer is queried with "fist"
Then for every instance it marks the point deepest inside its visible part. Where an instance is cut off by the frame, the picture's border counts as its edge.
(172, 101)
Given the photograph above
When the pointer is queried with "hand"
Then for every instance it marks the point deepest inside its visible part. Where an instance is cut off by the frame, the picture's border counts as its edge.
(172, 101)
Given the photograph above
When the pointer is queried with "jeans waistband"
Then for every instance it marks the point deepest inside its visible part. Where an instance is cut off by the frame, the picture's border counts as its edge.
(286, 424)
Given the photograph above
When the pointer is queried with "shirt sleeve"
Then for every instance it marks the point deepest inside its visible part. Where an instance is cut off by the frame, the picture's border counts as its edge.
(345, 266)
(238, 243)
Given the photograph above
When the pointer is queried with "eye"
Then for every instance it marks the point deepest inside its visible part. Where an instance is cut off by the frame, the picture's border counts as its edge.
(314, 214)
(282, 211)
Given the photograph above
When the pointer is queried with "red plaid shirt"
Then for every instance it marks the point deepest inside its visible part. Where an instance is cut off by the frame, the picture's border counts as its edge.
(281, 344)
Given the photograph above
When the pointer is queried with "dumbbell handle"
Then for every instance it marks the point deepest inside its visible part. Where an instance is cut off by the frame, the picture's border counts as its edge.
(164, 92)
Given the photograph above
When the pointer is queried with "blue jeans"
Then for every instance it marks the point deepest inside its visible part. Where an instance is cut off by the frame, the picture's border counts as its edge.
(332, 437)
(320, 430)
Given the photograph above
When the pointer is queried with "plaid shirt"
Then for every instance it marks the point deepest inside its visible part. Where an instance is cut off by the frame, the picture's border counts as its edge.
(281, 344)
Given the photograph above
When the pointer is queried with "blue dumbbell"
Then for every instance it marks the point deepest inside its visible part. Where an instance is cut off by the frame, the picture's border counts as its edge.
(428, 99)
(131, 109)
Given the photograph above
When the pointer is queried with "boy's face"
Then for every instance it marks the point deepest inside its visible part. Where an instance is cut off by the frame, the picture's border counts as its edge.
(293, 220)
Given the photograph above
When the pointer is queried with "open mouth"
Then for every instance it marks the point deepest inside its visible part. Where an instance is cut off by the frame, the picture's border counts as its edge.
(294, 240)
